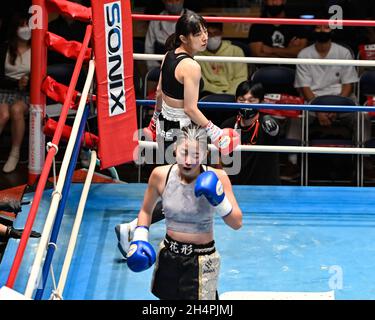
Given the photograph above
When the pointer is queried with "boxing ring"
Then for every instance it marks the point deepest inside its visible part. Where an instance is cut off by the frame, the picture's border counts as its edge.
(314, 241)
(293, 239)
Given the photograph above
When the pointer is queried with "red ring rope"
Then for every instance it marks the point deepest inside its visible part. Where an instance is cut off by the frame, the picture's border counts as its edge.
(352, 23)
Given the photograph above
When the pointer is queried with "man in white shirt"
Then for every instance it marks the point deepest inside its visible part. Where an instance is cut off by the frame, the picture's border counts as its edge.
(318, 80)
(159, 31)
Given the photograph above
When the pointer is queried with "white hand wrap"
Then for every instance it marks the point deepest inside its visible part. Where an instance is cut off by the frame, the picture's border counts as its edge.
(213, 131)
(140, 233)
(224, 208)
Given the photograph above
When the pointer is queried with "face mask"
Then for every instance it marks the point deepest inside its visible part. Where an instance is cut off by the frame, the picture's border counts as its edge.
(322, 37)
(275, 10)
(174, 8)
(24, 33)
(247, 113)
(213, 43)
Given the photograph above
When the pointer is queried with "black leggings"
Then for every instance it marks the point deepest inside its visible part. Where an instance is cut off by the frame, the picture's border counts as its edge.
(166, 137)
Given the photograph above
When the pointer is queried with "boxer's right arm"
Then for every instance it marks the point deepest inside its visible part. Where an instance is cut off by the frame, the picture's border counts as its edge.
(159, 92)
(141, 254)
(150, 130)
(152, 193)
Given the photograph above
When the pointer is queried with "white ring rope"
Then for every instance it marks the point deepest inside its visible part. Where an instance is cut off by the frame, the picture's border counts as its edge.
(287, 149)
(32, 282)
(57, 293)
(53, 277)
(326, 62)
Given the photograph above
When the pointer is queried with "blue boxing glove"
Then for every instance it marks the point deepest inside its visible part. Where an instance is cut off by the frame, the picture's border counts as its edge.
(209, 185)
(141, 254)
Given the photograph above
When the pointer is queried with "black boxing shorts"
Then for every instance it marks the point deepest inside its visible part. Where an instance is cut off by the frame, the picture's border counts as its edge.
(185, 271)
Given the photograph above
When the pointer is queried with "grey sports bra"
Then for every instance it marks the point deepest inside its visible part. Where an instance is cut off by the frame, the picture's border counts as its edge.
(183, 211)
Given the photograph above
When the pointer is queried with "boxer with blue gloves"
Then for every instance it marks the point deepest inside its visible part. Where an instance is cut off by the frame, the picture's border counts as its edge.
(141, 255)
(187, 265)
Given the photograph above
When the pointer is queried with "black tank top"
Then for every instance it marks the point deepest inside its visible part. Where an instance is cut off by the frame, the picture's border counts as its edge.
(170, 85)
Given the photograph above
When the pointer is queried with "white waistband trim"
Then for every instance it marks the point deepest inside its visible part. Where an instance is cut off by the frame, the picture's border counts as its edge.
(173, 114)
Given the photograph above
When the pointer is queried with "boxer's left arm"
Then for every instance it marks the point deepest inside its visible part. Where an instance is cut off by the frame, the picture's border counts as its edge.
(234, 220)
(214, 184)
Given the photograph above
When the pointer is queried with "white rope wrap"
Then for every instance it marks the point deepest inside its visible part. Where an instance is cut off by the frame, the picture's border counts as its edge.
(52, 145)
(60, 183)
(321, 62)
(54, 245)
(57, 294)
(56, 193)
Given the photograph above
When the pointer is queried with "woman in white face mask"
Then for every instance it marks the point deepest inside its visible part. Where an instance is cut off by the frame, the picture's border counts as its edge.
(15, 63)
(215, 33)
(221, 77)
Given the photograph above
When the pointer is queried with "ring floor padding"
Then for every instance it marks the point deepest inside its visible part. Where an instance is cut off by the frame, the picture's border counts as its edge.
(293, 239)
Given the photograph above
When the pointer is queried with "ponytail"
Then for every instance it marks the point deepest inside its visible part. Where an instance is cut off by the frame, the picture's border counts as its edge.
(172, 42)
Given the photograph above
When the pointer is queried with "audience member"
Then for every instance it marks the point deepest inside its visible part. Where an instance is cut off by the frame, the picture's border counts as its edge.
(7, 9)
(280, 41)
(159, 31)
(15, 57)
(221, 77)
(257, 168)
(318, 80)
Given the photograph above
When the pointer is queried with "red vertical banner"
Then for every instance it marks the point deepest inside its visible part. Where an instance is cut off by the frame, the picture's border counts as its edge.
(113, 47)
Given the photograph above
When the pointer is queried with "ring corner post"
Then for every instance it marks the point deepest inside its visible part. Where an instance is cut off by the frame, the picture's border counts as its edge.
(39, 24)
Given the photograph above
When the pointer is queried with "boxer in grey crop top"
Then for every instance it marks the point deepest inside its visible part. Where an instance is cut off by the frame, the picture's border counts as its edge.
(187, 264)
(183, 211)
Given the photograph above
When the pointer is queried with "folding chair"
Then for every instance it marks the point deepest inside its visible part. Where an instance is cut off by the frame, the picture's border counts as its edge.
(341, 142)
(280, 80)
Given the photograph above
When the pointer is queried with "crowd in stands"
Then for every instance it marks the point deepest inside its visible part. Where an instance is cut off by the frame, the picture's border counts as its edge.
(311, 81)
(264, 40)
